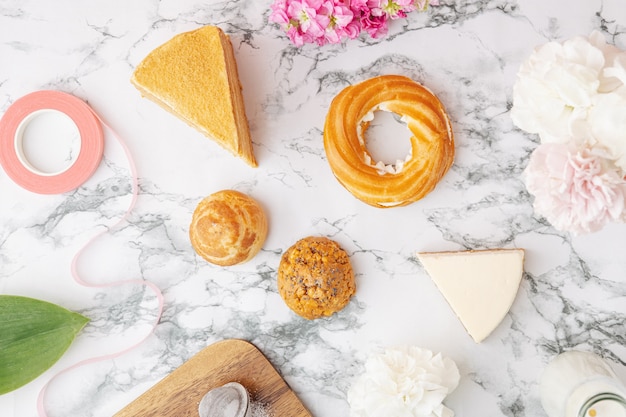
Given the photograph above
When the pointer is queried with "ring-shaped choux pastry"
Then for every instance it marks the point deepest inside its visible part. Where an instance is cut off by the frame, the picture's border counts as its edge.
(432, 141)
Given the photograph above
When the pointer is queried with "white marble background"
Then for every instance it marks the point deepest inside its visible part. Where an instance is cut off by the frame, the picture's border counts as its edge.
(467, 51)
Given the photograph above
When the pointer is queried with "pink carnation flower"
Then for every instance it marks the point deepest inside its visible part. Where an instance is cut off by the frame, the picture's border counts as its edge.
(574, 189)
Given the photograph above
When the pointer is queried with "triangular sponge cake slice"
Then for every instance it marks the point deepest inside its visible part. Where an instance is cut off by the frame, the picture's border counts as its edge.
(194, 76)
(480, 286)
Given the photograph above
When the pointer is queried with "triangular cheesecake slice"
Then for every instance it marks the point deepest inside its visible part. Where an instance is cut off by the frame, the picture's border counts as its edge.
(194, 76)
(480, 286)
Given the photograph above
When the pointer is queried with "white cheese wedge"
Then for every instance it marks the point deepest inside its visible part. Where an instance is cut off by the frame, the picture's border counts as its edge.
(480, 286)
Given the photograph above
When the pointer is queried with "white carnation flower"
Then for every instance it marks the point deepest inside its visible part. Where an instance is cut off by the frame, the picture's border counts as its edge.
(614, 73)
(607, 119)
(406, 381)
(556, 86)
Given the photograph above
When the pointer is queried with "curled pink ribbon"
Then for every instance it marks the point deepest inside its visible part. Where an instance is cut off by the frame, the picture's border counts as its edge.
(159, 296)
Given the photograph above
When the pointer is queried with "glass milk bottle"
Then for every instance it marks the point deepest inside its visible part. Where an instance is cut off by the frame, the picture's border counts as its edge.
(581, 384)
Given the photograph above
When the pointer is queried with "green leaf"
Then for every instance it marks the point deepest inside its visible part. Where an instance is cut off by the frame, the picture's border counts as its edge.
(34, 334)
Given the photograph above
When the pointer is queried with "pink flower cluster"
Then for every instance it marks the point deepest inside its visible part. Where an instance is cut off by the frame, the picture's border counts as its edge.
(332, 21)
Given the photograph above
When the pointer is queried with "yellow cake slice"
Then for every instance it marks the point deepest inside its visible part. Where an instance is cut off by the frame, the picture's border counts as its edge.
(194, 76)
(480, 286)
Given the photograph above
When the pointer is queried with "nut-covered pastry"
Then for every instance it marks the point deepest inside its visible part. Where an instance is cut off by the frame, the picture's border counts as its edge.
(432, 143)
(315, 277)
(228, 228)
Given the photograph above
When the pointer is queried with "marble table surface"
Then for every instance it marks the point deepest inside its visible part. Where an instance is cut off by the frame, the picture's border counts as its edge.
(573, 293)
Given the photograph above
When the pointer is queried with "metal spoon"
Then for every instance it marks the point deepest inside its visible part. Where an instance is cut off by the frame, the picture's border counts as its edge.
(230, 400)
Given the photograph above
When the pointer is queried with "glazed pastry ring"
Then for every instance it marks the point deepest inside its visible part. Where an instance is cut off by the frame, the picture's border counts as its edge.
(432, 141)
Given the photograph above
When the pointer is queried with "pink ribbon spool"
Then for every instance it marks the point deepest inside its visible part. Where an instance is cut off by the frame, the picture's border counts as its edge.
(12, 126)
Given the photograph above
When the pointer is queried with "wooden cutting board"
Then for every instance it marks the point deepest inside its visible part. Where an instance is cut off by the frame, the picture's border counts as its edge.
(233, 360)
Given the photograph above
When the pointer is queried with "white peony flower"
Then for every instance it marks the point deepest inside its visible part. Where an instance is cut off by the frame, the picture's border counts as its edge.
(555, 87)
(406, 381)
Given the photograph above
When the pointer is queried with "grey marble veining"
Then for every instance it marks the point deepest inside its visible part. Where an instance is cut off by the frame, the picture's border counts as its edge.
(573, 294)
